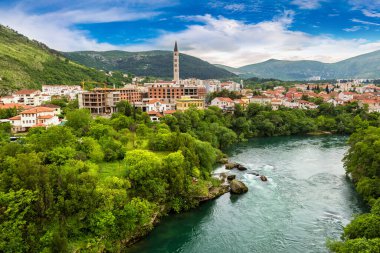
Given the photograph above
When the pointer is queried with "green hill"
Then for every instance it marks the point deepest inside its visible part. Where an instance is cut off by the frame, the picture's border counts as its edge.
(29, 64)
(150, 63)
(366, 66)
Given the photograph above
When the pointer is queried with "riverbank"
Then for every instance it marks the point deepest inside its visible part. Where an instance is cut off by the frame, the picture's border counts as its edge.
(306, 200)
(213, 193)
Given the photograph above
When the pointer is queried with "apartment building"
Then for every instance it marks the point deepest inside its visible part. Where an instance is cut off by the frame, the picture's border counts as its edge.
(70, 91)
(100, 101)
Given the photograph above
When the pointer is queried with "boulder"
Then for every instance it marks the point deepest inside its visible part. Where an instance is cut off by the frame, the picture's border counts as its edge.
(263, 178)
(231, 177)
(241, 167)
(230, 166)
(254, 173)
(238, 187)
(223, 160)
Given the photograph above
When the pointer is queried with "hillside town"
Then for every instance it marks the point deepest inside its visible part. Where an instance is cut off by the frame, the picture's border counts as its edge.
(161, 98)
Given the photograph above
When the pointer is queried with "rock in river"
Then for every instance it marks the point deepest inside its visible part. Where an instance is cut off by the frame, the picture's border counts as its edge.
(241, 167)
(263, 178)
(238, 187)
(223, 160)
(230, 166)
(231, 177)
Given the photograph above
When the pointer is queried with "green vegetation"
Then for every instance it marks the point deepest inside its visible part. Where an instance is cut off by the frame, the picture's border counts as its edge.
(93, 184)
(98, 184)
(150, 63)
(29, 64)
(362, 163)
(362, 66)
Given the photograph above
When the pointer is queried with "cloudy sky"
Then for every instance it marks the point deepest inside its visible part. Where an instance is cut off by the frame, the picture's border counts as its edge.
(227, 32)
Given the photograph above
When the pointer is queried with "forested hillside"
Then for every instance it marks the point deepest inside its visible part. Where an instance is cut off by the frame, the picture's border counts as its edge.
(364, 66)
(29, 64)
(150, 63)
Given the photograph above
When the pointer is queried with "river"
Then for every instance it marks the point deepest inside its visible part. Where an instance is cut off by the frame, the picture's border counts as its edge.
(306, 200)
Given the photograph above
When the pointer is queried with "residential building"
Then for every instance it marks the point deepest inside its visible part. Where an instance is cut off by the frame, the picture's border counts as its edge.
(35, 117)
(69, 91)
(31, 97)
(223, 103)
(157, 105)
(8, 100)
(263, 100)
(100, 101)
(373, 104)
(187, 102)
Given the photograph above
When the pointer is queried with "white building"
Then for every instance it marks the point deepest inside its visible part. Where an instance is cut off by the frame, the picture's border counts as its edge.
(346, 95)
(223, 103)
(70, 91)
(36, 117)
(263, 100)
(31, 97)
(156, 105)
(8, 100)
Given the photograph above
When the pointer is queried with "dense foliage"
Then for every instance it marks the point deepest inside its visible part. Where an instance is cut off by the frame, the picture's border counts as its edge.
(95, 184)
(29, 64)
(362, 162)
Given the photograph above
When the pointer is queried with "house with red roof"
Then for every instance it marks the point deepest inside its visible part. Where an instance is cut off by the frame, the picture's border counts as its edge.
(34, 117)
(223, 103)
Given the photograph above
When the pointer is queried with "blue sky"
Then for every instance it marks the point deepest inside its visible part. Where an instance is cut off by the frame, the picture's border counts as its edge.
(232, 32)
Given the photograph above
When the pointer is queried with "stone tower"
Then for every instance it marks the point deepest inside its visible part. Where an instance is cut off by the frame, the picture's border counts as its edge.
(176, 63)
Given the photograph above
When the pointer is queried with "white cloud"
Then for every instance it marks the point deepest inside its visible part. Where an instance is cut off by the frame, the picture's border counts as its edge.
(355, 28)
(371, 14)
(235, 7)
(365, 4)
(57, 29)
(235, 43)
(364, 22)
(307, 4)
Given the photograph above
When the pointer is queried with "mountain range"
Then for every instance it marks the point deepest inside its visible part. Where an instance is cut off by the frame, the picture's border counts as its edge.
(366, 66)
(26, 63)
(149, 63)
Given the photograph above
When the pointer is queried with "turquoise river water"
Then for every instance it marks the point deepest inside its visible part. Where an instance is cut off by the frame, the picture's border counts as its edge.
(306, 200)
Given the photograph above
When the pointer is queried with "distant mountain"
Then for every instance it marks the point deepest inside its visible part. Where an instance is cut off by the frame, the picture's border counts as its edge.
(366, 66)
(29, 64)
(149, 63)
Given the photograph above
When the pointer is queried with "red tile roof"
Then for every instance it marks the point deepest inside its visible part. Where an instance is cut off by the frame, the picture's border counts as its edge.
(14, 105)
(228, 100)
(169, 112)
(38, 110)
(25, 92)
(18, 117)
(153, 101)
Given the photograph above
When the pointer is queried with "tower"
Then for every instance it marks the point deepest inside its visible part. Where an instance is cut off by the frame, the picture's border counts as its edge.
(176, 63)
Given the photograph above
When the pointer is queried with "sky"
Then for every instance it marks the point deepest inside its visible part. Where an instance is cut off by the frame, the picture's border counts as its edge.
(233, 33)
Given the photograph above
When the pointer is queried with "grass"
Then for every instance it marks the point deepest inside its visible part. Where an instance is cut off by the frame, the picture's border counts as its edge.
(109, 169)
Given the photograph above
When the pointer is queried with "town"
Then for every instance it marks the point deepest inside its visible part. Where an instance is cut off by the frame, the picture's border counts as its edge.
(160, 98)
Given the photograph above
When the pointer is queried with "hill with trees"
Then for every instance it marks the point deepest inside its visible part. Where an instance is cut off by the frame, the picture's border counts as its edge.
(150, 63)
(26, 63)
(364, 66)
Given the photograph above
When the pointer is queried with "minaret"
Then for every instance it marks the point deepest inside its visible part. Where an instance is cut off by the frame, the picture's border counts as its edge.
(176, 63)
